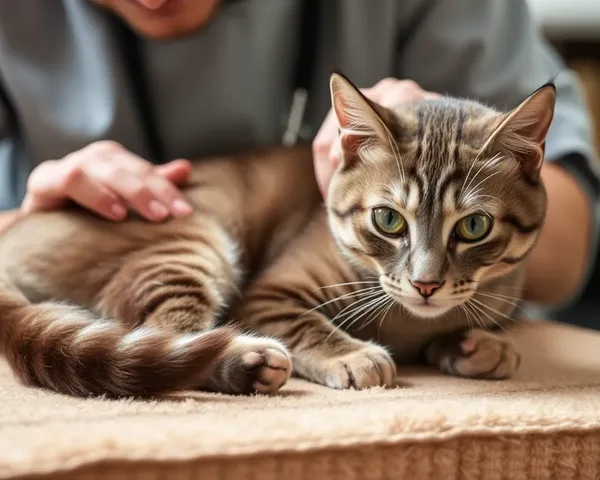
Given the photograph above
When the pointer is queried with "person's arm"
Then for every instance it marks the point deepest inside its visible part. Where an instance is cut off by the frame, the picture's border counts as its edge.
(490, 50)
(6, 218)
(558, 265)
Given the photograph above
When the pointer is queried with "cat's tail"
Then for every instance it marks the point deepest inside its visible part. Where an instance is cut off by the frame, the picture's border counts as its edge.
(68, 350)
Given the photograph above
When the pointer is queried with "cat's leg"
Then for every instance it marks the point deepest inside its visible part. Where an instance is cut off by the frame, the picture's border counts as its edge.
(474, 354)
(184, 285)
(284, 303)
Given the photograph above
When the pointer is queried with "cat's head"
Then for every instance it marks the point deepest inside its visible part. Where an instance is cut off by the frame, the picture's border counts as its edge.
(438, 196)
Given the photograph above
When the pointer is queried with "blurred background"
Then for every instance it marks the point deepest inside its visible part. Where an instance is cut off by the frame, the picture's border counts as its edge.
(573, 26)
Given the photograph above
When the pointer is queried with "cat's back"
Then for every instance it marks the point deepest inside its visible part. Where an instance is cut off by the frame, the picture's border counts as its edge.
(260, 197)
(264, 197)
(257, 181)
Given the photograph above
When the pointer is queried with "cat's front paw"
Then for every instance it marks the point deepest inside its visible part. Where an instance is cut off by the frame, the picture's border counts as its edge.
(474, 354)
(365, 366)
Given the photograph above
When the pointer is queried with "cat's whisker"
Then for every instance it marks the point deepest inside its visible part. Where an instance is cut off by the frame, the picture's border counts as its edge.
(480, 322)
(385, 314)
(462, 188)
(469, 308)
(497, 312)
(495, 157)
(341, 297)
(487, 178)
(490, 196)
(355, 304)
(492, 319)
(368, 308)
(376, 311)
(514, 287)
(345, 284)
(467, 315)
(395, 152)
(472, 194)
(374, 299)
(370, 303)
(500, 295)
(501, 298)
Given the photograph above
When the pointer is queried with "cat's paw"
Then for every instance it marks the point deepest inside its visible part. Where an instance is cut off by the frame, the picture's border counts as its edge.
(475, 354)
(253, 364)
(366, 366)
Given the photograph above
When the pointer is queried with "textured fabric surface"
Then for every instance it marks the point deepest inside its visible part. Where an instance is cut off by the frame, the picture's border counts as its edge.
(543, 424)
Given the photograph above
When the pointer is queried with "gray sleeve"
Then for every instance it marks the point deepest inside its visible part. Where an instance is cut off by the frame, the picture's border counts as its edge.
(491, 50)
(13, 162)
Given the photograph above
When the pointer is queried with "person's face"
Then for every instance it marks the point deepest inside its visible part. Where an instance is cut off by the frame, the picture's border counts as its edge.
(162, 18)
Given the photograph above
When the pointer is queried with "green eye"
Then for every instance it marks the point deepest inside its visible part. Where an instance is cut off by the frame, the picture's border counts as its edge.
(473, 227)
(389, 222)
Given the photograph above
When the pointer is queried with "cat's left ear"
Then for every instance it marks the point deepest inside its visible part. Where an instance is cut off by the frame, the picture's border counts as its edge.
(522, 132)
(360, 121)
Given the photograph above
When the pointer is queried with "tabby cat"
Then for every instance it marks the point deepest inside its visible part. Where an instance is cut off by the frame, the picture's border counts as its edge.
(429, 218)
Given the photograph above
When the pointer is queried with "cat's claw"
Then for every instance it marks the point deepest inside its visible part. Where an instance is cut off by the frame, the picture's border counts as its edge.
(474, 354)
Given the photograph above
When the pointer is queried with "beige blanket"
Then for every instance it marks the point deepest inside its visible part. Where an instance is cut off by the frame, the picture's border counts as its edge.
(543, 424)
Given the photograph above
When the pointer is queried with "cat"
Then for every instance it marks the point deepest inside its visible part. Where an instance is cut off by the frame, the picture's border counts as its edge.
(418, 250)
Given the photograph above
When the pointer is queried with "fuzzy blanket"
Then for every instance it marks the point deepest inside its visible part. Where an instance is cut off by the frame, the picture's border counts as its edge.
(543, 424)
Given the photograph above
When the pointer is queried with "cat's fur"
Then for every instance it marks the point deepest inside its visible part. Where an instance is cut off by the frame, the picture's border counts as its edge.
(94, 307)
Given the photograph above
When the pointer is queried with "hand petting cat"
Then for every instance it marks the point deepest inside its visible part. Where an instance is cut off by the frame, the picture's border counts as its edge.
(388, 92)
(107, 179)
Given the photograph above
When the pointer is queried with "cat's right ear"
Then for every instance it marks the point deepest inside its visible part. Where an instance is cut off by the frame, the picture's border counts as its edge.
(359, 121)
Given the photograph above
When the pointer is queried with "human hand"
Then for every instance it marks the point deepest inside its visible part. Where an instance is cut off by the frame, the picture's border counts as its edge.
(389, 92)
(107, 179)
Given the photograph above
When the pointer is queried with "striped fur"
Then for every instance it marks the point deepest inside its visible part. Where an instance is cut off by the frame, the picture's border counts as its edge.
(261, 273)
(68, 350)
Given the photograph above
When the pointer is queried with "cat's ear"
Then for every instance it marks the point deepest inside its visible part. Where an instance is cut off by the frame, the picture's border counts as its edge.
(360, 121)
(522, 131)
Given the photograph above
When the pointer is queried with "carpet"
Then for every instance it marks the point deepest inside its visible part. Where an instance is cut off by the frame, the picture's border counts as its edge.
(543, 424)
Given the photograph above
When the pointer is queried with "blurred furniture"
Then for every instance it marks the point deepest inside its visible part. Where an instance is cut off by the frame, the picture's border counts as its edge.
(568, 19)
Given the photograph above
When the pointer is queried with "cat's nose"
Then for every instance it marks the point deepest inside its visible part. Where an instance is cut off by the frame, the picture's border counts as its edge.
(426, 289)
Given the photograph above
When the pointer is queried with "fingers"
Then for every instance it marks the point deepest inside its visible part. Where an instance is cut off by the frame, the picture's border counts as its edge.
(88, 193)
(324, 157)
(51, 184)
(152, 196)
(145, 189)
(177, 172)
(168, 195)
(107, 179)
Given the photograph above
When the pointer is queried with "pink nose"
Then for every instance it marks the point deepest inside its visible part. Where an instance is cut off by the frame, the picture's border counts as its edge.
(426, 289)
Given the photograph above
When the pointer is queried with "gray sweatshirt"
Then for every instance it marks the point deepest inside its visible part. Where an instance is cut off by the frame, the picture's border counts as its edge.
(71, 74)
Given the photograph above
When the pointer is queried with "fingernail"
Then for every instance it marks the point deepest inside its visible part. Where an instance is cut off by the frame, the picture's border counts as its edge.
(158, 209)
(118, 210)
(181, 207)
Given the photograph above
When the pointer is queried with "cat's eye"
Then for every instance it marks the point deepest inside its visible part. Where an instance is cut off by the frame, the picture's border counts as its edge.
(473, 227)
(389, 221)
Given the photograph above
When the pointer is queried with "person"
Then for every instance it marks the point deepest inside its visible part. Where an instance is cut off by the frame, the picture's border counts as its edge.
(105, 102)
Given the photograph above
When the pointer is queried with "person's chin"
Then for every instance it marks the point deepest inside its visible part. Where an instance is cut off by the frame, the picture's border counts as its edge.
(158, 29)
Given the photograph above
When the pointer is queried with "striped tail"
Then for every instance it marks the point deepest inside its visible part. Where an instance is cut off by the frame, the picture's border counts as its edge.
(68, 350)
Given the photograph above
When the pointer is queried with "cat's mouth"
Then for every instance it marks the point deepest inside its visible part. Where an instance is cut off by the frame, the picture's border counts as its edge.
(424, 308)
(418, 306)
